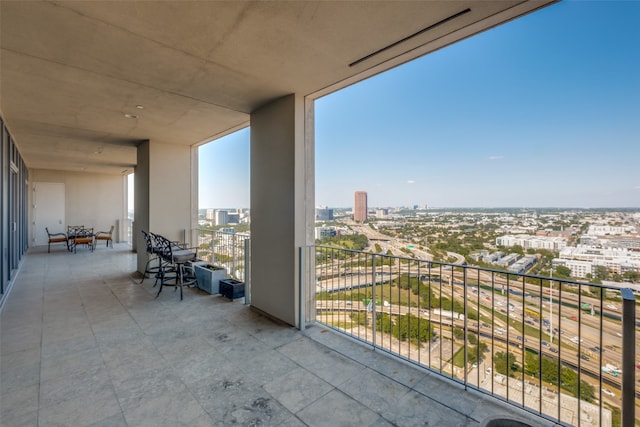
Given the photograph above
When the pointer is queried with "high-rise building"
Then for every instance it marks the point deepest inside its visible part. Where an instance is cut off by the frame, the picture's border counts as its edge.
(209, 214)
(324, 214)
(222, 217)
(360, 207)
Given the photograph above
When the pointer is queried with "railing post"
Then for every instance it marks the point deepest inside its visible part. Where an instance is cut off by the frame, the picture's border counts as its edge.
(301, 288)
(247, 271)
(628, 357)
(212, 246)
(466, 331)
(234, 247)
(373, 299)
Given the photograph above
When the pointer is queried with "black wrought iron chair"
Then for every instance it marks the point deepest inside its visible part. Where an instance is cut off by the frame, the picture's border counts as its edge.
(81, 236)
(172, 269)
(153, 251)
(72, 232)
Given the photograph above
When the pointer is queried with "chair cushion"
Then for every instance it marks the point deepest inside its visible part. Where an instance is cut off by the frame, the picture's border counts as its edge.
(57, 239)
(183, 256)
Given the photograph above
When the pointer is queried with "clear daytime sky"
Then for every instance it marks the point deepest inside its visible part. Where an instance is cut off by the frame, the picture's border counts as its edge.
(543, 111)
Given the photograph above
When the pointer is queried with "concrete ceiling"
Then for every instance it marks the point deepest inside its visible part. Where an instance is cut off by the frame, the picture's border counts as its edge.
(83, 82)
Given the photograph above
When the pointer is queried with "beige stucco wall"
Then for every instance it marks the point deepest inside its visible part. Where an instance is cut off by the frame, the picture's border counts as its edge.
(92, 200)
(170, 190)
(163, 192)
(281, 202)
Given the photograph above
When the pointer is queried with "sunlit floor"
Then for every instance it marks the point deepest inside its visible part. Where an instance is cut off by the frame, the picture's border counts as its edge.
(83, 343)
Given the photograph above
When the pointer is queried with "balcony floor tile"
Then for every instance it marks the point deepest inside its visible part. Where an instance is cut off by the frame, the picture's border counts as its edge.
(84, 343)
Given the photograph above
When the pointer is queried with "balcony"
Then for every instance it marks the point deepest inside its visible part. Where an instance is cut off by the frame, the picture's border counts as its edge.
(560, 349)
(84, 343)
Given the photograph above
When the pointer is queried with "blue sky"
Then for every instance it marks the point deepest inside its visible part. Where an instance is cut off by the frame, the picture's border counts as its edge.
(543, 111)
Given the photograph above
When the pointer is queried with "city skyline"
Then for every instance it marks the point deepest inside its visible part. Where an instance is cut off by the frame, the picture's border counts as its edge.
(538, 112)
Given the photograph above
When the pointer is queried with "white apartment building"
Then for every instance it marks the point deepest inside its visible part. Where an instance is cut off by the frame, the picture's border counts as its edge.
(554, 244)
(382, 213)
(578, 268)
(617, 260)
(603, 230)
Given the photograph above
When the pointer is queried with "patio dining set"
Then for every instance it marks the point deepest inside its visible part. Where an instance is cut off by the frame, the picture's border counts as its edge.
(78, 235)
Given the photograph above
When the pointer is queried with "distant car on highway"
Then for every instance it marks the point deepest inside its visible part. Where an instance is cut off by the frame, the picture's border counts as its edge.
(608, 392)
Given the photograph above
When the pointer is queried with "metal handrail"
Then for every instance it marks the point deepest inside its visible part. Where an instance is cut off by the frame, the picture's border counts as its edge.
(230, 250)
(529, 317)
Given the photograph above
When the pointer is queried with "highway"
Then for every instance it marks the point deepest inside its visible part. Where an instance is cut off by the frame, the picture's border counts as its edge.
(508, 338)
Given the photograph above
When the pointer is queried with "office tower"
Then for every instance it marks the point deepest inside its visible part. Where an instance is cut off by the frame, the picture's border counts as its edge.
(222, 217)
(324, 214)
(360, 207)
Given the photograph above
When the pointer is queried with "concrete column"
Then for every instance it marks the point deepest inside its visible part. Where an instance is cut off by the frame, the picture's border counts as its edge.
(163, 193)
(282, 202)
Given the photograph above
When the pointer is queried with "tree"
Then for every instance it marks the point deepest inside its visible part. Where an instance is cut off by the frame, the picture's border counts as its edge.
(634, 276)
(359, 318)
(517, 249)
(601, 272)
(410, 327)
(458, 333)
(473, 338)
(532, 364)
(383, 322)
(475, 352)
(563, 271)
(505, 364)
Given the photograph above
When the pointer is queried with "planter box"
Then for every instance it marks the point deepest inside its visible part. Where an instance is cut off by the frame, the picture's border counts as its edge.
(232, 288)
(208, 279)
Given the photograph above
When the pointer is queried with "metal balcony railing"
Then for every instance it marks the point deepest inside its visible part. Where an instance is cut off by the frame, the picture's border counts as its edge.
(561, 349)
(230, 250)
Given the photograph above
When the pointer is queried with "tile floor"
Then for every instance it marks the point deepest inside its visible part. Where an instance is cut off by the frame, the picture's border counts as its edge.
(84, 344)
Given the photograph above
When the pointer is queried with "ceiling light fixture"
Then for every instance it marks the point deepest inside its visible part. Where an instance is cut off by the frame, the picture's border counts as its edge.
(140, 107)
(131, 116)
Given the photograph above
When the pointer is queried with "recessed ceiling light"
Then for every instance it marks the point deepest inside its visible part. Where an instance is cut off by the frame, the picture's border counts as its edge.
(131, 116)
(139, 107)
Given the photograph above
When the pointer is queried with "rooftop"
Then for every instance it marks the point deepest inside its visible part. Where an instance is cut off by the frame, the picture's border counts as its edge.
(84, 343)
